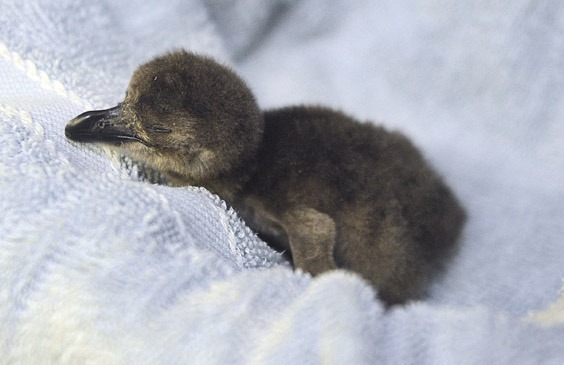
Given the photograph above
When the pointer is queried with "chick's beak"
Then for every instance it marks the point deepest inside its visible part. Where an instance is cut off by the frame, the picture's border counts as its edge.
(101, 126)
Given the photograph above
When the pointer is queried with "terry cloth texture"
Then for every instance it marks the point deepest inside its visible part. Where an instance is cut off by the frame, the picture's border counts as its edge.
(98, 266)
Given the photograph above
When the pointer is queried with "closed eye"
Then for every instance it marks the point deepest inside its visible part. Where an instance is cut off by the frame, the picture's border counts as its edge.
(158, 129)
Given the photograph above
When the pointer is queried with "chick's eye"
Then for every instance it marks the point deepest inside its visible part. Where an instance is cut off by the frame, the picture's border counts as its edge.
(159, 129)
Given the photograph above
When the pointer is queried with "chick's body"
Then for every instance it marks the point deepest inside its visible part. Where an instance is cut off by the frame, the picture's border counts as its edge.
(333, 192)
(394, 219)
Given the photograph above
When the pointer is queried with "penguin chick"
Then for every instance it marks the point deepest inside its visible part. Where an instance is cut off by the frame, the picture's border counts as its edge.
(334, 192)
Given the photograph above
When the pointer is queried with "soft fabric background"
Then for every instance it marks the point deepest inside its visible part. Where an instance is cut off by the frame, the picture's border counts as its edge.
(99, 267)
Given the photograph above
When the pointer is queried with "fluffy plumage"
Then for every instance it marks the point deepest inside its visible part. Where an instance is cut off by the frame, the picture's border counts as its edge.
(334, 192)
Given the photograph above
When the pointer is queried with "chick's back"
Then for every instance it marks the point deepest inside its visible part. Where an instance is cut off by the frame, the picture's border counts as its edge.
(395, 218)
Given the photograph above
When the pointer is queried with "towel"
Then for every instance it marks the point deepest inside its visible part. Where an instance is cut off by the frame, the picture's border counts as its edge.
(99, 266)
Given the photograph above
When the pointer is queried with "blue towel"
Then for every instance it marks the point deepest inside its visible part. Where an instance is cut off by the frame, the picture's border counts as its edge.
(99, 266)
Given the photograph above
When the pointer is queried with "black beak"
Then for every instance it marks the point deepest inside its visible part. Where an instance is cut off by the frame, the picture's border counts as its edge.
(101, 126)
